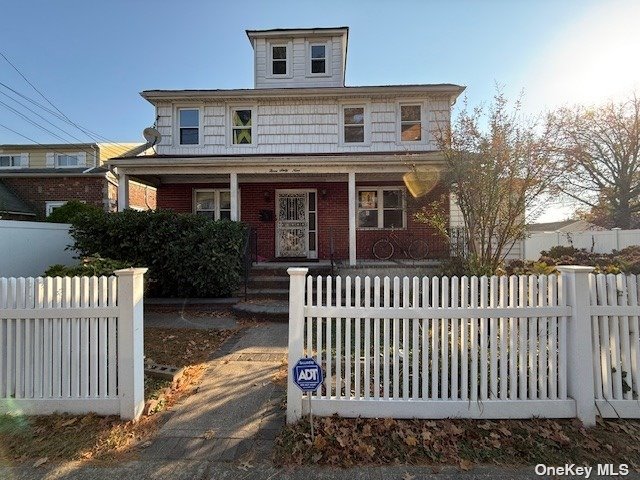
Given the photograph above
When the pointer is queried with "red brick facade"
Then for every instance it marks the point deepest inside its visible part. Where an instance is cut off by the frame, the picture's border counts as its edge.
(94, 190)
(333, 214)
(37, 191)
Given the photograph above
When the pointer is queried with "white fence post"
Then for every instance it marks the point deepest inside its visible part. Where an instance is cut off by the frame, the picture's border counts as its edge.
(297, 278)
(130, 342)
(580, 374)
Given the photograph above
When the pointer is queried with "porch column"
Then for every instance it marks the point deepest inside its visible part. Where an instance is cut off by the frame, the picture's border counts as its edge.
(123, 191)
(233, 186)
(352, 218)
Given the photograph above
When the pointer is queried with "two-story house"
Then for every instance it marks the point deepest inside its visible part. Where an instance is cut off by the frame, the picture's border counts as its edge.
(316, 167)
(36, 179)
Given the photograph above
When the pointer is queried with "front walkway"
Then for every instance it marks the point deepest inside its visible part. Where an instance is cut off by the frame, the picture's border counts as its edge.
(238, 409)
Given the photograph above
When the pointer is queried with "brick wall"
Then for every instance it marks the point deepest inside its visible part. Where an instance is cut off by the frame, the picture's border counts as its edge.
(36, 191)
(142, 196)
(333, 214)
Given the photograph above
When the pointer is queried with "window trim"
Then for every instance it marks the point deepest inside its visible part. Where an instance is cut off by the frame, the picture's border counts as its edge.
(327, 58)
(12, 155)
(178, 108)
(423, 119)
(57, 155)
(254, 117)
(51, 205)
(216, 201)
(289, 46)
(380, 195)
(367, 125)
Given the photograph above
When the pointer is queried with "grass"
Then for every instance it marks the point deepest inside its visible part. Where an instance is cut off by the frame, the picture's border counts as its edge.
(352, 442)
(37, 439)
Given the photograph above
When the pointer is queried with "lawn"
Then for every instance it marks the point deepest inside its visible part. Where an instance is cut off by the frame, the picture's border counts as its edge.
(36, 439)
(352, 442)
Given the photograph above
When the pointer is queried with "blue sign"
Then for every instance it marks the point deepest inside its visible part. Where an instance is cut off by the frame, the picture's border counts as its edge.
(307, 375)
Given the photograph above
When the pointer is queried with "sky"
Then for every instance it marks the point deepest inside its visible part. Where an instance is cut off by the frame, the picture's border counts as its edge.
(91, 59)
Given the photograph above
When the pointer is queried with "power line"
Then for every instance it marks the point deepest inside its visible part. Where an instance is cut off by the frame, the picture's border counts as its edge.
(65, 117)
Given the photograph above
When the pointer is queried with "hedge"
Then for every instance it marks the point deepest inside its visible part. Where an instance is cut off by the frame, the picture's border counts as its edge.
(187, 255)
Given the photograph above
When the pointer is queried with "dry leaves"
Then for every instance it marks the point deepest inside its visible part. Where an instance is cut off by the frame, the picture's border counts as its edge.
(349, 442)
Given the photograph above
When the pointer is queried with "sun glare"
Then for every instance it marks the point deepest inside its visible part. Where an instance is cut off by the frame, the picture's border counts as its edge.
(592, 60)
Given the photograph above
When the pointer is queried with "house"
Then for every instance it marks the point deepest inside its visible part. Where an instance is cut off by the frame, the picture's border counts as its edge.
(564, 226)
(314, 166)
(40, 178)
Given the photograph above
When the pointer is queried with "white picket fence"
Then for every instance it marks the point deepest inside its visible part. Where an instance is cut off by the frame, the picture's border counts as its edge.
(72, 344)
(498, 347)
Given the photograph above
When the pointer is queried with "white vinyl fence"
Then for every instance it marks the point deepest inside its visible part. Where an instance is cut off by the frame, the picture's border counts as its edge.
(29, 248)
(72, 344)
(600, 241)
(498, 347)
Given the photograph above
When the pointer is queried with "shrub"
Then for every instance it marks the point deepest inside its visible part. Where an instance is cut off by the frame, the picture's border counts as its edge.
(89, 266)
(187, 255)
(68, 212)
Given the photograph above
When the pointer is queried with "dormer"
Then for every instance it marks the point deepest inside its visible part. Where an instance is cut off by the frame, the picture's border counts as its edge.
(298, 58)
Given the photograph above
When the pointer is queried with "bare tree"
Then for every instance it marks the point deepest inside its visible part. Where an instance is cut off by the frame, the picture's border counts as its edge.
(498, 166)
(600, 152)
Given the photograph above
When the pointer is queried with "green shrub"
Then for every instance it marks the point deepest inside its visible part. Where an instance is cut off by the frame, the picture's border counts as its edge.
(187, 255)
(89, 266)
(68, 212)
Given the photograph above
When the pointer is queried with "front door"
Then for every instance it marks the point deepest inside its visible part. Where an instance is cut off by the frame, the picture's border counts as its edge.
(296, 224)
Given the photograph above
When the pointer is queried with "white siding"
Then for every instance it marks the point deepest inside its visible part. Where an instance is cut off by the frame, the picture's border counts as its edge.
(298, 74)
(300, 126)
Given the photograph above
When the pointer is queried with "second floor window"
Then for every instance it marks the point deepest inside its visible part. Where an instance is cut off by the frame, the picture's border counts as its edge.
(10, 161)
(189, 119)
(279, 60)
(241, 126)
(64, 160)
(318, 59)
(353, 124)
(410, 123)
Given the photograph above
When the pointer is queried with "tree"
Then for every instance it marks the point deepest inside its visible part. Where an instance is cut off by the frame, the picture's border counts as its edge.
(600, 153)
(498, 167)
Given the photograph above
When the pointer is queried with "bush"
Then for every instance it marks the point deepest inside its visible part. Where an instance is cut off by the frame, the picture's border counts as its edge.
(68, 212)
(187, 255)
(89, 266)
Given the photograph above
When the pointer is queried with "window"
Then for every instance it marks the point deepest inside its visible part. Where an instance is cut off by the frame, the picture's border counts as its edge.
(381, 207)
(410, 123)
(241, 126)
(318, 59)
(51, 206)
(353, 124)
(65, 160)
(9, 161)
(189, 119)
(214, 204)
(278, 59)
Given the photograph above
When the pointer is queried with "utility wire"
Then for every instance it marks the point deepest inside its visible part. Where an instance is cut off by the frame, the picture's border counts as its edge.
(85, 131)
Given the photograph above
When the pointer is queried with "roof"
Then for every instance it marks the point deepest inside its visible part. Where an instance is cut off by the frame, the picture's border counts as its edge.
(296, 32)
(436, 88)
(11, 203)
(565, 226)
(106, 150)
(27, 172)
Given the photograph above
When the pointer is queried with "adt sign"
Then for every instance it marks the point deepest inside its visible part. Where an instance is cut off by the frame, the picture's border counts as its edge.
(307, 375)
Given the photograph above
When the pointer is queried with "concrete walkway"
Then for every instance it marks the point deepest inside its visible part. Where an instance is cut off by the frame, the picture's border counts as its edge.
(188, 318)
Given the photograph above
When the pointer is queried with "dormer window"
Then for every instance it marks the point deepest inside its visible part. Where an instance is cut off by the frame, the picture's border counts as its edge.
(189, 119)
(318, 59)
(410, 123)
(278, 59)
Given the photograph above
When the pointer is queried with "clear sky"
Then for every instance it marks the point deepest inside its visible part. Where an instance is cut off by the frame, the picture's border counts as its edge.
(92, 58)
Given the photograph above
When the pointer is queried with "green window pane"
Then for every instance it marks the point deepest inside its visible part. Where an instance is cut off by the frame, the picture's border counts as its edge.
(241, 136)
(242, 118)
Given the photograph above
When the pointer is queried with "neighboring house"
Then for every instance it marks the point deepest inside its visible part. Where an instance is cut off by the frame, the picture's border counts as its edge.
(44, 177)
(314, 166)
(565, 226)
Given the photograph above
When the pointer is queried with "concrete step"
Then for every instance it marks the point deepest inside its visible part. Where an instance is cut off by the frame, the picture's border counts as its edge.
(263, 309)
(276, 293)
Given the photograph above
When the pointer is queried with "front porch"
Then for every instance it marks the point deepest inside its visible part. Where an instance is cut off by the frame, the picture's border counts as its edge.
(302, 213)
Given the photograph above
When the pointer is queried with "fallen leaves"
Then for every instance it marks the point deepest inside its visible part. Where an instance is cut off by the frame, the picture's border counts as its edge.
(40, 462)
(350, 442)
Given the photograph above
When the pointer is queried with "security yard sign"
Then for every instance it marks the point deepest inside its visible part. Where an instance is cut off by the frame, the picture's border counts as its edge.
(307, 375)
